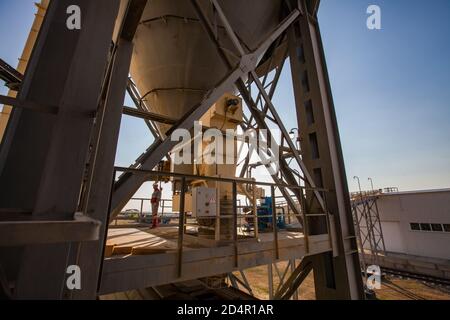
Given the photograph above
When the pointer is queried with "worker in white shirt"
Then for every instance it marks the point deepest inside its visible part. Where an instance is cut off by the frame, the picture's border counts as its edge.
(156, 198)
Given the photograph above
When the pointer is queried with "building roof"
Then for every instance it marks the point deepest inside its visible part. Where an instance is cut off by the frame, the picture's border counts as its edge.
(415, 192)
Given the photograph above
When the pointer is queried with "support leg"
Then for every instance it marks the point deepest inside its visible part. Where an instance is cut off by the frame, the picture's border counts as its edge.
(337, 276)
(43, 156)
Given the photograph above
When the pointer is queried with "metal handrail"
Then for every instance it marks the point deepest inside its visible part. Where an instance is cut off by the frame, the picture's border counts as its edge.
(217, 179)
(141, 210)
(183, 223)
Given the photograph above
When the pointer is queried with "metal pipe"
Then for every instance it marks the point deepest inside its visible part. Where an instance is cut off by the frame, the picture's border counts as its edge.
(235, 226)
(148, 116)
(181, 228)
(255, 213)
(371, 183)
(305, 224)
(275, 224)
(208, 178)
(105, 237)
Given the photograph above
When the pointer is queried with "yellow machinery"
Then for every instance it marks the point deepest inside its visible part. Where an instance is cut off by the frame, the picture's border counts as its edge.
(208, 200)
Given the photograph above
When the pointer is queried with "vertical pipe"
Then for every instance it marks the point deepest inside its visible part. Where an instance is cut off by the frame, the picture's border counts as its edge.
(181, 227)
(289, 213)
(235, 225)
(330, 235)
(305, 222)
(217, 231)
(255, 213)
(105, 237)
(275, 224)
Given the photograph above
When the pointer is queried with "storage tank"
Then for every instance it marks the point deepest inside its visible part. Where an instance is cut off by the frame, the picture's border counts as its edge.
(174, 62)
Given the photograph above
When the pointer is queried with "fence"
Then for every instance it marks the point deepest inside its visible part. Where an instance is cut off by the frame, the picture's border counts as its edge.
(237, 213)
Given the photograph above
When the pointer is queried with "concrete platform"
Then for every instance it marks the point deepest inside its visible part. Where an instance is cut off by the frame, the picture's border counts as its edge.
(150, 257)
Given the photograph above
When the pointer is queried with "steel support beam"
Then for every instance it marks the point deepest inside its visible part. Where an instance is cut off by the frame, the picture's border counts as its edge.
(294, 281)
(293, 267)
(368, 226)
(284, 168)
(20, 233)
(129, 184)
(140, 105)
(336, 277)
(43, 156)
(246, 95)
(235, 281)
(148, 116)
(282, 276)
(10, 76)
(32, 106)
(262, 90)
(90, 255)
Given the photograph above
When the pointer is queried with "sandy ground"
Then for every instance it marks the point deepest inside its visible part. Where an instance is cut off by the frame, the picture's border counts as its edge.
(392, 288)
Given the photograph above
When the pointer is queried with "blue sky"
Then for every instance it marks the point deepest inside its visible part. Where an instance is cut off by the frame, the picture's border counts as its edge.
(391, 88)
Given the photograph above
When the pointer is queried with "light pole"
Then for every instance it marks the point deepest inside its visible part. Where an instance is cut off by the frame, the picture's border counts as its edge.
(292, 132)
(359, 184)
(371, 183)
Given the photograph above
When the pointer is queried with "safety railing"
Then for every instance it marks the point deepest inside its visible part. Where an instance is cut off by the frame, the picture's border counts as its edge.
(237, 214)
(139, 215)
(365, 194)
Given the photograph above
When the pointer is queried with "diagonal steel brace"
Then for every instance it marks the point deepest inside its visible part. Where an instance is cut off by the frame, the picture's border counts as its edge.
(127, 186)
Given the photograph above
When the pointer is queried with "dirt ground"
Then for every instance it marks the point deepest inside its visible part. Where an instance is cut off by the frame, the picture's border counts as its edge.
(393, 288)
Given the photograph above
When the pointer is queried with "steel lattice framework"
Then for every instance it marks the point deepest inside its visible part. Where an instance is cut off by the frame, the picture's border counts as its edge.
(368, 225)
(92, 132)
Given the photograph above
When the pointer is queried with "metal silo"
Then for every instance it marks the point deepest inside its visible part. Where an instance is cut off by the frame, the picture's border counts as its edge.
(175, 64)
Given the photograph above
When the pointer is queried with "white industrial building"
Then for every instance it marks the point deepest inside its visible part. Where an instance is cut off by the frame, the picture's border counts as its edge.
(416, 223)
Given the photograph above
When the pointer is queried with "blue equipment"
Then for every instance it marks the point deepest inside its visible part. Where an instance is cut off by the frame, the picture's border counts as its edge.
(265, 217)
